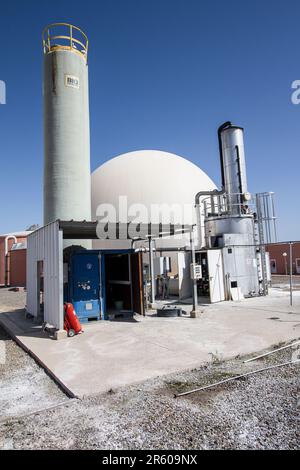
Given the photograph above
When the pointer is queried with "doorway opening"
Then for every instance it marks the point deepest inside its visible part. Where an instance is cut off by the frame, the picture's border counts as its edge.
(40, 289)
(203, 283)
(123, 284)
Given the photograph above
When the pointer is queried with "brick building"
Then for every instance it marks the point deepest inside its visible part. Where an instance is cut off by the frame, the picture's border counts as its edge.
(280, 258)
(13, 259)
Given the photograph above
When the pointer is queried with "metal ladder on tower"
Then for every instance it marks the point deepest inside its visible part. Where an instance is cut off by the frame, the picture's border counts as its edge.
(260, 241)
(258, 257)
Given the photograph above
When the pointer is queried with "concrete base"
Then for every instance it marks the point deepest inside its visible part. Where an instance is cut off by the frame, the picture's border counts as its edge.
(155, 305)
(113, 354)
(196, 313)
(60, 334)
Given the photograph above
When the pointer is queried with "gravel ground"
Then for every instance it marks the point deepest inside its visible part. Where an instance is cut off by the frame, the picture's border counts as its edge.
(259, 412)
(10, 300)
(24, 385)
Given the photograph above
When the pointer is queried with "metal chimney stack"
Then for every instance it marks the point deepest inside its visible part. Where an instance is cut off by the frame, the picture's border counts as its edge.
(233, 165)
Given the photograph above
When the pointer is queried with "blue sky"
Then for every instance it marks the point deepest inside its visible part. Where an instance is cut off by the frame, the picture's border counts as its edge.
(164, 74)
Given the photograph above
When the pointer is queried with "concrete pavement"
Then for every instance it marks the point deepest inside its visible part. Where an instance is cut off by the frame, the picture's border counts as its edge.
(113, 354)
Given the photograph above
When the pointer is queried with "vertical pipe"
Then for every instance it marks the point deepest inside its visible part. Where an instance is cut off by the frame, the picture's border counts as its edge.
(291, 273)
(151, 270)
(7, 259)
(100, 286)
(130, 279)
(212, 204)
(199, 226)
(49, 44)
(195, 294)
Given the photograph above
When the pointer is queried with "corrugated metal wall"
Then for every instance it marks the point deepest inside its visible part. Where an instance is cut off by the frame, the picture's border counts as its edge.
(46, 244)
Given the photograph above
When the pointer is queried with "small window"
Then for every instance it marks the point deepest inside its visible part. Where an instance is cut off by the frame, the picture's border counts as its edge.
(229, 251)
(234, 284)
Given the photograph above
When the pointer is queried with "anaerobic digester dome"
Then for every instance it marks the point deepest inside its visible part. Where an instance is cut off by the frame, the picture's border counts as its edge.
(148, 177)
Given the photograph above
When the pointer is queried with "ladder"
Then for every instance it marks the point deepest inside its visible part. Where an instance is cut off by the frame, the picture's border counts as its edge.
(260, 241)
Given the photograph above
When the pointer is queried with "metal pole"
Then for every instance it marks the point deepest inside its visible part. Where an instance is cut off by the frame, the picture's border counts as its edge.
(291, 273)
(151, 270)
(272, 352)
(230, 379)
(195, 295)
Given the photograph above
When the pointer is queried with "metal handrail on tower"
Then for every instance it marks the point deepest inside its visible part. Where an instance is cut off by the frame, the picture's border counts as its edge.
(219, 204)
(54, 39)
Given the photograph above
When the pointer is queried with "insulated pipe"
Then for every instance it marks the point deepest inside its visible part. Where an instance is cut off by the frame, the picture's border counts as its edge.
(6, 243)
(195, 293)
(151, 266)
(164, 249)
(6, 277)
(212, 193)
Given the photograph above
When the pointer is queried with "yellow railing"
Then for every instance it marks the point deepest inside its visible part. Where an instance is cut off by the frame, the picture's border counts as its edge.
(74, 39)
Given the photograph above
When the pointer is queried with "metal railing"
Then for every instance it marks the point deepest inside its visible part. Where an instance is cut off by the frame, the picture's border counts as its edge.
(65, 36)
(227, 205)
(261, 206)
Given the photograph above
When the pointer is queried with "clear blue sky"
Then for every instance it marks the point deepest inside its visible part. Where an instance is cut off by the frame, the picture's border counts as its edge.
(163, 75)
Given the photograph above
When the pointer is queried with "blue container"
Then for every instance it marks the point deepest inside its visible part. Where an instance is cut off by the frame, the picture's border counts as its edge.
(85, 285)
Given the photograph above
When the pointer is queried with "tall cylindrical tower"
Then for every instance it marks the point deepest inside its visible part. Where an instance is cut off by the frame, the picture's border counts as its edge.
(233, 165)
(67, 192)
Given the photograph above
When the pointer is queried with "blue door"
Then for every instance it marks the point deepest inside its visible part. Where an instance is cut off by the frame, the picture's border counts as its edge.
(85, 285)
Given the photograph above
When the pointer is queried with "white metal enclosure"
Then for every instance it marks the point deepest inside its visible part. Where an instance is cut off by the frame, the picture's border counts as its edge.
(216, 275)
(46, 245)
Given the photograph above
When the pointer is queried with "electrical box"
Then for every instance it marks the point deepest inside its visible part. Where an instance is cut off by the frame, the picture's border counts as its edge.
(196, 271)
(162, 265)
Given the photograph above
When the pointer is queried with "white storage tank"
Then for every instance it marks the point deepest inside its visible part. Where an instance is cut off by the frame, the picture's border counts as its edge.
(66, 124)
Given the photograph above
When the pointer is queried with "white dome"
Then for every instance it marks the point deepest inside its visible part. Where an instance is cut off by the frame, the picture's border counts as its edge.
(148, 177)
